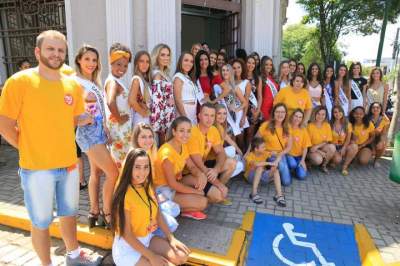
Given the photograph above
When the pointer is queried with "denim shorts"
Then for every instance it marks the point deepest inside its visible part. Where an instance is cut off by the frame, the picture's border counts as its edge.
(90, 135)
(41, 187)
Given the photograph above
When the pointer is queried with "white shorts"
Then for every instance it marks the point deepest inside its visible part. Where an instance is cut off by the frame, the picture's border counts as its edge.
(123, 254)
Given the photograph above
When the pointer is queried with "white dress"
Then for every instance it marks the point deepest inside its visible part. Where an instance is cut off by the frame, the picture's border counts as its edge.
(138, 118)
(189, 98)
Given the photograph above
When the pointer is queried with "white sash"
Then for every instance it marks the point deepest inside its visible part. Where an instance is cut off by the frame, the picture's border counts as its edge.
(272, 87)
(253, 99)
(344, 102)
(199, 93)
(229, 118)
(328, 103)
(90, 86)
(356, 89)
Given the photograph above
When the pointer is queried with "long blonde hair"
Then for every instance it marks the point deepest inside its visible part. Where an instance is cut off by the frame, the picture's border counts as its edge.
(155, 54)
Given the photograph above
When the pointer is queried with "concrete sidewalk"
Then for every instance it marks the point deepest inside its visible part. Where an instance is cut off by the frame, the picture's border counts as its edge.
(366, 196)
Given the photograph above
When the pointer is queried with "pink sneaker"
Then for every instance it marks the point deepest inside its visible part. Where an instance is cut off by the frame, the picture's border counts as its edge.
(194, 215)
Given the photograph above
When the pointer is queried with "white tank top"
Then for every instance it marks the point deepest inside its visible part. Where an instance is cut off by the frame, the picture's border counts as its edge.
(188, 89)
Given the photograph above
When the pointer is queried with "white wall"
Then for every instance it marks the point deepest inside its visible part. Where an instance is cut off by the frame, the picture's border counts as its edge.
(86, 24)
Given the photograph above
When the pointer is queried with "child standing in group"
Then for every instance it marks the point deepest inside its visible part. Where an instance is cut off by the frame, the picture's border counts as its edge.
(118, 112)
(259, 169)
(136, 216)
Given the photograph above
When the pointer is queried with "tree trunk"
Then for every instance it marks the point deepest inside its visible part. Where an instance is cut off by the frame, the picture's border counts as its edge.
(395, 124)
(383, 31)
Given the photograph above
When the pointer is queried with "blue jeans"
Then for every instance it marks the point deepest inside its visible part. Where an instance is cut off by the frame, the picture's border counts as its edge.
(284, 172)
(294, 165)
(42, 186)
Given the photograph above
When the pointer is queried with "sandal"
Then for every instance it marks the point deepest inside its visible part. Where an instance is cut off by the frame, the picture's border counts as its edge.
(92, 219)
(280, 200)
(256, 199)
(103, 220)
(83, 185)
(345, 172)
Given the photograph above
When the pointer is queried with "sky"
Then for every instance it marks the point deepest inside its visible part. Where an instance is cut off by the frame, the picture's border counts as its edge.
(357, 47)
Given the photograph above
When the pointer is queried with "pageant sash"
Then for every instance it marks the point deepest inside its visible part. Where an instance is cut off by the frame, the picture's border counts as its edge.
(356, 89)
(272, 87)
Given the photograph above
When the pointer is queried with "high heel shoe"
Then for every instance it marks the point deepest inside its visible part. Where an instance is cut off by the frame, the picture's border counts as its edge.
(92, 219)
(103, 218)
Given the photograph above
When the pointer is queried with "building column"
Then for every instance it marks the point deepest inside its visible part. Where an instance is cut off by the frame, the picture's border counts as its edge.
(120, 27)
(81, 30)
(163, 25)
(261, 27)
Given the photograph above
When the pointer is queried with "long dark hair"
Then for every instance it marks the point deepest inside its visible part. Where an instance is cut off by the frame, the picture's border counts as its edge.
(271, 123)
(254, 74)
(343, 121)
(197, 65)
(179, 64)
(345, 78)
(309, 73)
(118, 201)
(365, 119)
(243, 75)
(332, 79)
(179, 120)
(352, 68)
(370, 115)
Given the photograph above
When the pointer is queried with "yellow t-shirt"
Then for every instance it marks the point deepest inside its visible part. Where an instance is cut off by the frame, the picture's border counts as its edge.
(252, 158)
(273, 141)
(201, 144)
(166, 151)
(361, 133)
(338, 138)
(45, 112)
(138, 207)
(384, 122)
(319, 135)
(301, 141)
(294, 100)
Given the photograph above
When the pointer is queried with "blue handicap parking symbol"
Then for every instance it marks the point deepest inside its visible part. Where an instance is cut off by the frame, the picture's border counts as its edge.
(278, 240)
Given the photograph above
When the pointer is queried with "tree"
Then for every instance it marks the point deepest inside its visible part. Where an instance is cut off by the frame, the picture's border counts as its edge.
(300, 41)
(295, 39)
(334, 18)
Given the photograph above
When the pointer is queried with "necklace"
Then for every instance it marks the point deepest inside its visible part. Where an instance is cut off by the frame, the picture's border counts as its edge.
(148, 204)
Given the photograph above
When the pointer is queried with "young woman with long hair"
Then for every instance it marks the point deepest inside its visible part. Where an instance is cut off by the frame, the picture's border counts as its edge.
(329, 89)
(296, 157)
(162, 107)
(301, 68)
(92, 139)
(322, 150)
(341, 138)
(240, 76)
(270, 87)
(254, 114)
(284, 74)
(314, 83)
(381, 124)
(136, 216)
(363, 134)
(377, 90)
(343, 89)
(184, 89)
(139, 95)
(170, 179)
(358, 85)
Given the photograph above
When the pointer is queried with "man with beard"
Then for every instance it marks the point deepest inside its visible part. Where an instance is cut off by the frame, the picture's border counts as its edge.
(46, 105)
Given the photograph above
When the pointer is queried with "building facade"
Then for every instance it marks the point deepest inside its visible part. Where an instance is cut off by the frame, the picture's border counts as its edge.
(255, 25)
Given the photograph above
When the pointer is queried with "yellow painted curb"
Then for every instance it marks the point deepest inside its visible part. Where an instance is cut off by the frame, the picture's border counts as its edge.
(103, 238)
(369, 254)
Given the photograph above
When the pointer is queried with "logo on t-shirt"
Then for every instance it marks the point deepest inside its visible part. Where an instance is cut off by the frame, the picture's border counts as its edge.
(296, 138)
(300, 102)
(68, 99)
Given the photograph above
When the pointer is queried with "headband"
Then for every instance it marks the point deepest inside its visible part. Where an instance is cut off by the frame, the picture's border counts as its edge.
(116, 55)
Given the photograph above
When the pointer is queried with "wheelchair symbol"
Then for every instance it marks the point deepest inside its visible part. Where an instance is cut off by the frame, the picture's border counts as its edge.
(288, 227)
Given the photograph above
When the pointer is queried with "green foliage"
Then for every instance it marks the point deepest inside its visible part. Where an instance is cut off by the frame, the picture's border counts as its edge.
(334, 18)
(301, 42)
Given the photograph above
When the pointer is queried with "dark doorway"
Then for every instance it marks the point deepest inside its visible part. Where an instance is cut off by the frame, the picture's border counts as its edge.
(21, 21)
(217, 24)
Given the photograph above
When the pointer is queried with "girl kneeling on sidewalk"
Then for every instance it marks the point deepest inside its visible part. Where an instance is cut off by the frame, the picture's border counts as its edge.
(136, 216)
(258, 168)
